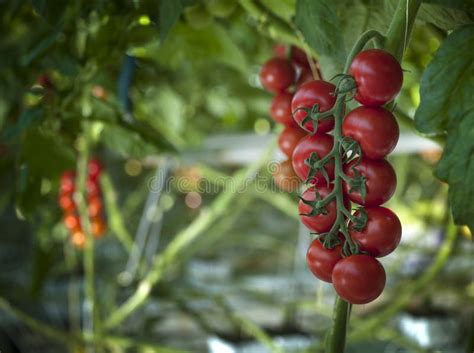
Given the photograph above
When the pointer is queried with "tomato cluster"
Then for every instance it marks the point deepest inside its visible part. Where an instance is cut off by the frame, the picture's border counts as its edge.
(281, 75)
(94, 199)
(357, 276)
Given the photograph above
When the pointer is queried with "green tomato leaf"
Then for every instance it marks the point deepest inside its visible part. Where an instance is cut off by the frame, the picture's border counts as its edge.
(284, 9)
(455, 4)
(447, 107)
(321, 27)
(446, 87)
(446, 18)
(170, 10)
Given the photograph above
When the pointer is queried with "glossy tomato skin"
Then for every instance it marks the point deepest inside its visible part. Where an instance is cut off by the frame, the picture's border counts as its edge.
(289, 139)
(277, 74)
(322, 145)
(94, 168)
(66, 202)
(280, 109)
(381, 234)
(381, 181)
(378, 77)
(358, 279)
(285, 177)
(320, 223)
(321, 261)
(67, 181)
(311, 93)
(374, 128)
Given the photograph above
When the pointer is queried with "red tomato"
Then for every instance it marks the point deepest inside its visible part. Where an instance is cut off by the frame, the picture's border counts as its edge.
(78, 239)
(72, 221)
(280, 109)
(311, 93)
(95, 206)
(66, 202)
(277, 75)
(320, 223)
(289, 138)
(299, 57)
(98, 227)
(321, 261)
(94, 167)
(358, 279)
(319, 143)
(305, 76)
(92, 187)
(378, 76)
(381, 234)
(374, 128)
(67, 181)
(285, 177)
(381, 181)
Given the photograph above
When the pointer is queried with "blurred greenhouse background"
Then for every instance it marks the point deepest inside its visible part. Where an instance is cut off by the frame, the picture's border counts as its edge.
(211, 252)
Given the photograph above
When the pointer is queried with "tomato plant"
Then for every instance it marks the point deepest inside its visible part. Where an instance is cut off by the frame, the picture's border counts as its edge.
(277, 74)
(280, 109)
(321, 261)
(289, 139)
(322, 222)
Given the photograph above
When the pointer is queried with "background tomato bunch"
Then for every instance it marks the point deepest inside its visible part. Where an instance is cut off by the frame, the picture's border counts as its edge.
(369, 180)
(282, 75)
(94, 202)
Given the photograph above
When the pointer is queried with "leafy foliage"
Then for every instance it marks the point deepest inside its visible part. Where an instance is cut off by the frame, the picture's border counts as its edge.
(446, 108)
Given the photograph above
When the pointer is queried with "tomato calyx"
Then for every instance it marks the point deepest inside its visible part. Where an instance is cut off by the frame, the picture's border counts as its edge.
(318, 205)
(357, 183)
(316, 165)
(314, 116)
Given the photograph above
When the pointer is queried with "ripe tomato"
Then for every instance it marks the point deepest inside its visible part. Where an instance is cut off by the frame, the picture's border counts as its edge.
(323, 222)
(311, 93)
(285, 178)
(358, 279)
(98, 227)
(381, 181)
(289, 138)
(378, 76)
(92, 187)
(374, 128)
(72, 221)
(277, 74)
(381, 234)
(95, 206)
(319, 143)
(94, 167)
(299, 57)
(78, 239)
(66, 202)
(280, 109)
(67, 181)
(305, 76)
(321, 261)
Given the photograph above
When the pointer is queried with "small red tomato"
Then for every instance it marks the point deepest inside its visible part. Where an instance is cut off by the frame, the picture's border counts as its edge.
(66, 202)
(280, 109)
(321, 261)
(78, 239)
(374, 128)
(67, 181)
(305, 76)
(381, 234)
(322, 222)
(98, 227)
(95, 206)
(92, 187)
(381, 181)
(311, 93)
(72, 221)
(319, 143)
(279, 50)
(285, 178)
(378, 77)
(299, 57)
(94, 168)
(289, 139)
(358, 279)
(277, 75)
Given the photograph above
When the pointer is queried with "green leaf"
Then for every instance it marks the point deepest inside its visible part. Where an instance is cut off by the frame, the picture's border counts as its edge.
(446, 18)
(284, 9)
(170, 10)
(447, 107)
(321, 27)
(455, 4)
(126, 143)
(27, 117)
(447, 84)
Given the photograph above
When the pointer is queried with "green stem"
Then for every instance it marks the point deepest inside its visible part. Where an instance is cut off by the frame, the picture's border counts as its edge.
(360, 44)
(400, 28)
(337, 341)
